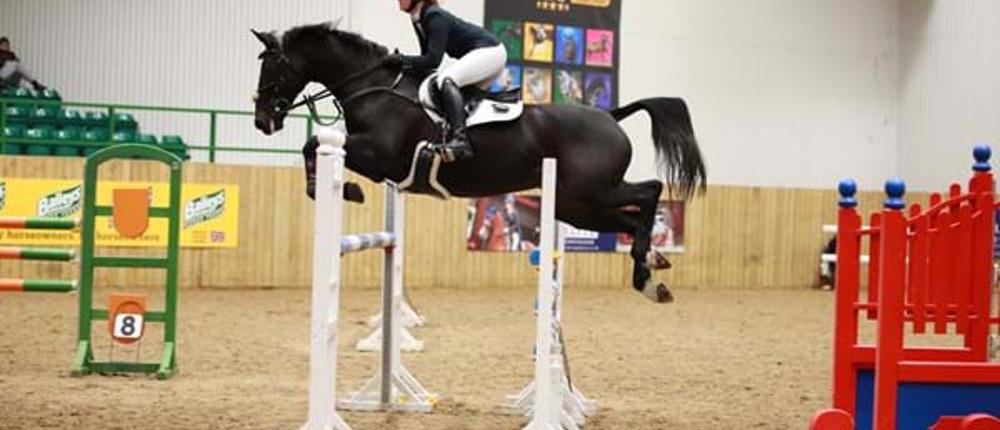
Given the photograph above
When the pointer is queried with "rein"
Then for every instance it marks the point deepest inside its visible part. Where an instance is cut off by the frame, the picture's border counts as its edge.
(310, 100)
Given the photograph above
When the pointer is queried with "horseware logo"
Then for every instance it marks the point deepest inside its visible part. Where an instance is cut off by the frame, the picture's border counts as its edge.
(3, 195)
(204, 208)
(61, 203)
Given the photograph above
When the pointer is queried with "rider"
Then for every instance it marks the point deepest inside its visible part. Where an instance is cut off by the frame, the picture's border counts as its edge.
(481, 59)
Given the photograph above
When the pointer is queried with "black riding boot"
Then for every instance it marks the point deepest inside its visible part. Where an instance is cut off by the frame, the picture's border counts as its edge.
(457, 148)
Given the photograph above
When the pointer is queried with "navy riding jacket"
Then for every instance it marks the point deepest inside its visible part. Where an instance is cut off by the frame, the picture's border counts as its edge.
(441, 32)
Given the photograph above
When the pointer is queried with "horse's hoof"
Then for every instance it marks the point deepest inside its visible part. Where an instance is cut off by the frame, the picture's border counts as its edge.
(311, 188)
(657, 261)
(353, 193)
(658, 293)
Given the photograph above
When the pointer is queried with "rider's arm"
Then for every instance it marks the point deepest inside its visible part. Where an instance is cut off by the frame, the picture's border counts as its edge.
(436, 28)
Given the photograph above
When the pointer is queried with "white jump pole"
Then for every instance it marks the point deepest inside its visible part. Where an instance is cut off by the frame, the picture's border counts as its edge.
(326, 283)
(547, 397)
(550, 400)
(400, 391)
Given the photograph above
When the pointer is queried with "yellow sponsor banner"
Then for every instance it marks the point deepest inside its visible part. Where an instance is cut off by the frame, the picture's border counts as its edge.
(209, 213)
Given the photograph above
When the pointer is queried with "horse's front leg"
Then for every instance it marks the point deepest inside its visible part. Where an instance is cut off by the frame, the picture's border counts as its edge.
(352, 191)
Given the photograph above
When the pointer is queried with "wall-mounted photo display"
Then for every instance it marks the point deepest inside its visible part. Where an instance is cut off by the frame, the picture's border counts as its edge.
(562, 52)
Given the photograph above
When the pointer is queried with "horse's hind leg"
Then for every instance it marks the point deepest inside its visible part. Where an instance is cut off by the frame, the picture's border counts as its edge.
(645, 195)
(608, 213)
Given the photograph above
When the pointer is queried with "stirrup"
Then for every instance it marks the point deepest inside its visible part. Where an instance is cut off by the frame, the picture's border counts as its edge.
(446, 152)
(451, 152)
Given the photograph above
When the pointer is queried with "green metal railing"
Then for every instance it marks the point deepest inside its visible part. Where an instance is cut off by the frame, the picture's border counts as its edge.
(213, 147)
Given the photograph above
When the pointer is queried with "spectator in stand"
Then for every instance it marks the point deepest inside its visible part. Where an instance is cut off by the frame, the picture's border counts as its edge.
(12, 71)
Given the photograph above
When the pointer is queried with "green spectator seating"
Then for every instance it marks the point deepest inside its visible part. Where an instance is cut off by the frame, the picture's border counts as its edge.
(147, 139)
(175, 144)
(70, 118)
(16, 115)
(23, 98)
(125, 122)
(68, 150)
(39, 133)
(50, 94)
(43, 116)
(96, 119)
(31, 115)
(13, 131)
(94, 136)
(124, 137)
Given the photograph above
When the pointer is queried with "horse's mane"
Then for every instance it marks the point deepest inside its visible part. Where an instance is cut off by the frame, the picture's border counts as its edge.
(352, 41)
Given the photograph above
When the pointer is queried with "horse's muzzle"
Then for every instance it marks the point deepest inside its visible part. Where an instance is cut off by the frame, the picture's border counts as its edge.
(265, 126)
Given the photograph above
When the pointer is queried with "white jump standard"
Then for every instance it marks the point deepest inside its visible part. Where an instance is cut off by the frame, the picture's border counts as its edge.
(551, 400)
(393, 388)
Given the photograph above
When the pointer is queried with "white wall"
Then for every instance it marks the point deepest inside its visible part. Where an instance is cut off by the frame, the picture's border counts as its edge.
(782, 92)
(191, 53)
(949, 88)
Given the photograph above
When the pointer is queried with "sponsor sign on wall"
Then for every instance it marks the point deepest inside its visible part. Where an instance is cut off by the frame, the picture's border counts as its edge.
(210, 213)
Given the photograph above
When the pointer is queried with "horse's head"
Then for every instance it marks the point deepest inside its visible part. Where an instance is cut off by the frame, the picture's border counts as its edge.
(281, 80)
(343, 62)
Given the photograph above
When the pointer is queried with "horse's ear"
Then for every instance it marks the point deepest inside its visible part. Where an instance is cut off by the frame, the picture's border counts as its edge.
(335, 24)
(266, 38)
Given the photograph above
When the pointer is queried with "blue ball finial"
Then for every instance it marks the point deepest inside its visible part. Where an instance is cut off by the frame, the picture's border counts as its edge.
(534, 257)
(895, 188)
(848, 188)
(981, 153)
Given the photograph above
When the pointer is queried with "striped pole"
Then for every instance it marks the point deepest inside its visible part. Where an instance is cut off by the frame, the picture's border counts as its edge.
(39, 223)
(362, 242)
(47, 254)
(36, 286)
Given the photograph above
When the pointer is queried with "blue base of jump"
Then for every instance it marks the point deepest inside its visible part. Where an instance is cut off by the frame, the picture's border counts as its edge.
(921, 405)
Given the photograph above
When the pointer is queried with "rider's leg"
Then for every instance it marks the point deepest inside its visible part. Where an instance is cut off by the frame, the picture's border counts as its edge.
(14, 71)
(457, 147)
(478, 67)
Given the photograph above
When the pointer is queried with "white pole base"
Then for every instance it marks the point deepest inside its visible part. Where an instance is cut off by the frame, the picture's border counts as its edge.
(576, 407)
(338, 424)
(408, 395)
(373, 343)
(410, 317)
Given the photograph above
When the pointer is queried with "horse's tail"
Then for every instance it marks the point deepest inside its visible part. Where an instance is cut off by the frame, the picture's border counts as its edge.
(677, 153)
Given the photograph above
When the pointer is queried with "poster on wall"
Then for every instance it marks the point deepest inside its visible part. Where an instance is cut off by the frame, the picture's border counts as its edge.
(209, 213)
(510, 223)
(559, 51)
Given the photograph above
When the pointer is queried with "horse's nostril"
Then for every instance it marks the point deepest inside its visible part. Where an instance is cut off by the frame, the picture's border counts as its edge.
(260, 124)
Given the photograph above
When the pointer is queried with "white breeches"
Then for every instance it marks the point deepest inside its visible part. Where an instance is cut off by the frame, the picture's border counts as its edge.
(479, 67)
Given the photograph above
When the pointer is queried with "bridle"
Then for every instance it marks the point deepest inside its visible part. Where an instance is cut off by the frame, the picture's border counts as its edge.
(282, 106)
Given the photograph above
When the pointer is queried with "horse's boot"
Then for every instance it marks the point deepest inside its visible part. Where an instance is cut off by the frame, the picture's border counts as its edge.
(457, 148)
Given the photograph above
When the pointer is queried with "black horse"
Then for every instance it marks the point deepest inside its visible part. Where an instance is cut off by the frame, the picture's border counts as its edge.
(385, 123)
